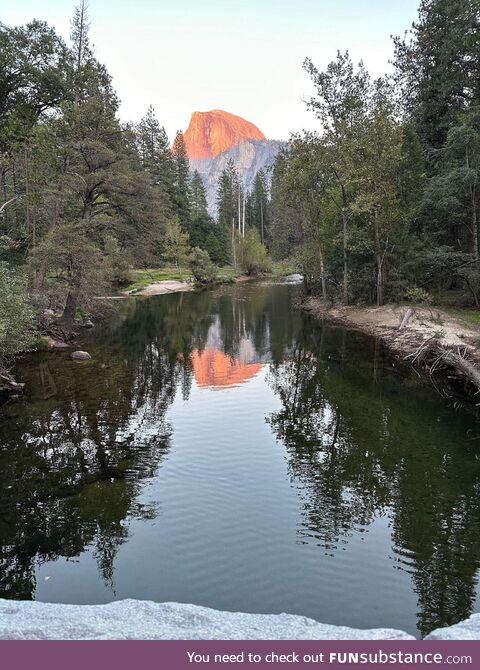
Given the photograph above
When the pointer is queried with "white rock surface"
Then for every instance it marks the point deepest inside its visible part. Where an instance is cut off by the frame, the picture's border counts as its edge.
(80, 356)
(465, 630)
(141, 619)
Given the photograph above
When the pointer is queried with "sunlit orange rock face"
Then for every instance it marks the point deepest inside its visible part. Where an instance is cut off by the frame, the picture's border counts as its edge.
(214, 369)
(210, 133)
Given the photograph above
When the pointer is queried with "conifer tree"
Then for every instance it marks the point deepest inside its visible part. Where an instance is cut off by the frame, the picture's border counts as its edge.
(182, 181)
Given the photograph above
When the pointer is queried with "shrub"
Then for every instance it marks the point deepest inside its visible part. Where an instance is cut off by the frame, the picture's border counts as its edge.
(203, 270)
(418, 295)
(17, 331)
(253, 255)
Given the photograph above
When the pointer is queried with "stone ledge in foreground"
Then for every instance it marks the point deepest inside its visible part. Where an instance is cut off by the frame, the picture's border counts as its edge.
(464, 630)
(145, 620)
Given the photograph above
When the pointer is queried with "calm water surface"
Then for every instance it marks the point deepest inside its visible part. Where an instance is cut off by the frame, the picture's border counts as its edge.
(225, 450)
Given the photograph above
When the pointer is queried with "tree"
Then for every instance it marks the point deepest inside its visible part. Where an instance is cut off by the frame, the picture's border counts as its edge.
(340, 106)
(156, 157)
(252, 254)
(198, 196)
(454, 193)
(17, 327)
(377, 194)
(175, 247)
(75, 264)
(202, 267)
(437, 68)
(182, 181)
(259, 205)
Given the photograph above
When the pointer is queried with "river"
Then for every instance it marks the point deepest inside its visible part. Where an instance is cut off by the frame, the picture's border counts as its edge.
(224, 449)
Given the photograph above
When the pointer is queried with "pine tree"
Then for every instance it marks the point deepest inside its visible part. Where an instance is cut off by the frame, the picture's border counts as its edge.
(155, 155)
(259, 205)
(176, 247)
(198, 197)
(182, 181)
(438, 67)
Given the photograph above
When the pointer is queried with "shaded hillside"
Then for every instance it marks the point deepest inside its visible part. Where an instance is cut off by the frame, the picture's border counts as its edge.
(248, 156)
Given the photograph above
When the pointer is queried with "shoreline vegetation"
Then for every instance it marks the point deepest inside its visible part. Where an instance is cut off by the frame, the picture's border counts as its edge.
(440, 343)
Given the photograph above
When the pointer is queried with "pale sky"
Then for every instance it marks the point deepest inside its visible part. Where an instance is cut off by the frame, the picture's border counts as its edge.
(243, 56)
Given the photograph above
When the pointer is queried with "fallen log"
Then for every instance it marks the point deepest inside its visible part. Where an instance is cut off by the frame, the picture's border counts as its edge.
(434, 358)
(8, 385)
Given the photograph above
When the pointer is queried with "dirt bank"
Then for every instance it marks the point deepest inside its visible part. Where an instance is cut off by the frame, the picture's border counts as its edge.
(427, 337)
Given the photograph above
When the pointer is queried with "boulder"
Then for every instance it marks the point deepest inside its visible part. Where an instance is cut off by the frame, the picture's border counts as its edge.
(80, 356)
(145, 620)
(464, 630)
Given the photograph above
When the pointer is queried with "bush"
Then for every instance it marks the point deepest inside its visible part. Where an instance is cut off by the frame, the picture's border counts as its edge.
(418, 295)
(203, 270)
(17, 331)
(118, 269)
(253, 256)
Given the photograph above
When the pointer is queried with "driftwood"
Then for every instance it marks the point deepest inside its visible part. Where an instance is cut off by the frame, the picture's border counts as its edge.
(8, 385)
(457, 362)
(406, 318)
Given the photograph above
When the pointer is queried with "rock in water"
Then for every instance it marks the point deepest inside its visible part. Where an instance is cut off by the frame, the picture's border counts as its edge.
(80, 356)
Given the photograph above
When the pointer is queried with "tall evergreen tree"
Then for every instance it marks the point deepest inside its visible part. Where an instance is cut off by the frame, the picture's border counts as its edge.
(182, 180)
(259, 205)
(156, 156)
(437, 67)
(198, 196)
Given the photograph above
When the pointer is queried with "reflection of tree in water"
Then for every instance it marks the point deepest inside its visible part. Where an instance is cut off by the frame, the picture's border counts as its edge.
(360, 447)
(73, 458)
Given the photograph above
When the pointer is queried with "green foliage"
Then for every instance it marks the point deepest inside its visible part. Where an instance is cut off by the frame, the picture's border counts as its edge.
(117, 266)
(73, 267)
(252, 254)
(175, 247)
(418, 295)
(203, 270)
(182, 196)
(17, 330)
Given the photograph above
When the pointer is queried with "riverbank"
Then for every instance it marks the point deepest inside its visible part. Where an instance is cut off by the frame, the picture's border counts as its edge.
(429, 338)
(146, 620)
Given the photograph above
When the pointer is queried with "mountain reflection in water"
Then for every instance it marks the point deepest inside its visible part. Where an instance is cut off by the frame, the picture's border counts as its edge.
(326, 482)
(213, 368)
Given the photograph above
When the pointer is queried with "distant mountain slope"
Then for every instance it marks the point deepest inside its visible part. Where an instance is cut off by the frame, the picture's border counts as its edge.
(211, 133)
(249, 156)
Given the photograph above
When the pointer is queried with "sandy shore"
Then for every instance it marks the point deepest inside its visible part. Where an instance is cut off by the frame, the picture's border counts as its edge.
(165, 286)
(156, 288)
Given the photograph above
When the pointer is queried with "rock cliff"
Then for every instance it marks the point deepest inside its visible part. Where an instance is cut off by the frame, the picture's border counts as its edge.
(248, 157)
(211, 133)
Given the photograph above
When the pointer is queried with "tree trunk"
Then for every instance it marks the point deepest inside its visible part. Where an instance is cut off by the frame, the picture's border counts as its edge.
(380, 262)
(243, 216)
(70, 309)
(261, 219)
(345, 256)
(379, 279)
(322, 274)
(234, 253)
(474, 223)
